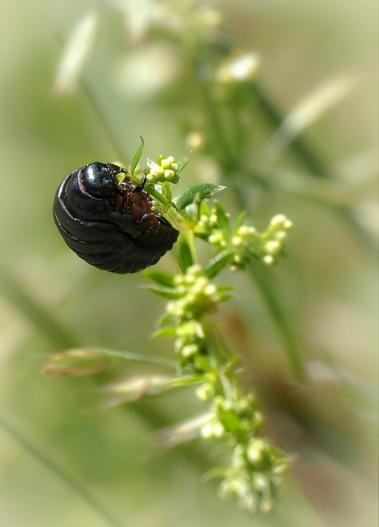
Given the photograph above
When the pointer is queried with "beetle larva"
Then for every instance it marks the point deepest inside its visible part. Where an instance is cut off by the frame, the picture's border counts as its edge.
(109, 224)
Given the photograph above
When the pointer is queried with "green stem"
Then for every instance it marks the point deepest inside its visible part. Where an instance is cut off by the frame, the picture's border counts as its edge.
(72, 483)
(280, 319)
(170, 212)
(268, 295)
(300, 148)
(41, 317)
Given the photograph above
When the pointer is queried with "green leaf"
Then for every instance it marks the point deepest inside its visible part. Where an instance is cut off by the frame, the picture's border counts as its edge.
(167, 320)
(166, 331)
(205, 190)
(182, 164)
(219, 262)
(184, 253)
(241, 219)
(137, 156)
(222, 217)
(164, 292)
(161, 278)
(225, 288)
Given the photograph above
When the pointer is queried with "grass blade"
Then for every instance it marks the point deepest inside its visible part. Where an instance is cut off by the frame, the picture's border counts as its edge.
(306, 112)
(33, 311)
(96, 506)
(279, 319)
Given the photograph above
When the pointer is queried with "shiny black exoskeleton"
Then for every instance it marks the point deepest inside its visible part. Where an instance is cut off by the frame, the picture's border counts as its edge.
(110, 224)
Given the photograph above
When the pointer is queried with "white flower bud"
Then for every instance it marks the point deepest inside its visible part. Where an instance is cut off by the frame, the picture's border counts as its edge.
(210, 289)
(260, 482)
(272, 247)
(256, 450)
(216, 237)
(246, 230)
(165, 163)
(194, 269)
(268, 260)
(281, 235)
(278, 220)
(237, 241)
(157, 171)
(205, 392)
(288, 225)
(190, 350)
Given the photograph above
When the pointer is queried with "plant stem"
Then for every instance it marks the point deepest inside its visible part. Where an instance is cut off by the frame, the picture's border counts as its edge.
(279, 318)
(300, 148)
(71, 482)
(268, 295)
(170, 212)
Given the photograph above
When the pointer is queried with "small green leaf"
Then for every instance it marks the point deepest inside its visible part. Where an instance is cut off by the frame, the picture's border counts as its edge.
(222, 217)
(219, 262)
(225, 288)
(161, 278)
(241, 219)
(166, 331)
(137, 156)
(166, 320)
(187, 380)
(182, 164)
(165, 292)
(184, 253)
(204, 190)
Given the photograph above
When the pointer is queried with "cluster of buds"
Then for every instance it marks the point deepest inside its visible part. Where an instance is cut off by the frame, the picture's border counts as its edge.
(236, 414)
(163, 171)
(212, 224)
(195, 294)
(255, 474)
(274, 237)
(268, 246)
(245, 243)
(190, 344)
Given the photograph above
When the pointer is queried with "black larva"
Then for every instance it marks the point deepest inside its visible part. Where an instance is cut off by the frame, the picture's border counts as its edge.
(108, 224)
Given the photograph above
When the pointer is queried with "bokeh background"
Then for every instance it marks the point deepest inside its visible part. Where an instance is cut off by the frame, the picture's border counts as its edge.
(136, 81)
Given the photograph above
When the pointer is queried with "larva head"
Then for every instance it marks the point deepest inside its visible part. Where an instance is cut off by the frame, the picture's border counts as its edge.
(99, 179)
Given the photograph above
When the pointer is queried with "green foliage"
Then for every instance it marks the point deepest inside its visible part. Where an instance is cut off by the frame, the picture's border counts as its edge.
(137, 156)
(196, 193)
(256, 467)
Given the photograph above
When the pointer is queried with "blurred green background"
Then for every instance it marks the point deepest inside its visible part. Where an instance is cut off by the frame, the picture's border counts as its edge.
(50, 300)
